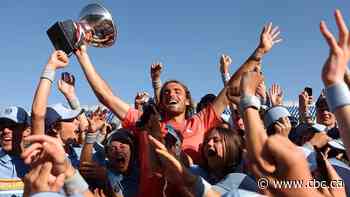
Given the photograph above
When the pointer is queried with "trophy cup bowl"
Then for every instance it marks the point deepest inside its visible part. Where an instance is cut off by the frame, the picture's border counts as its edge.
(95, 27)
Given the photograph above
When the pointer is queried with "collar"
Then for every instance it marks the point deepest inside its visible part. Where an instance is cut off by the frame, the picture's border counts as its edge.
(4, 157)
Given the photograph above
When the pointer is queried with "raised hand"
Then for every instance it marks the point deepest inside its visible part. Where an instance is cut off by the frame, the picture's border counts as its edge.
(276, 95)
(140, 99)
(250, 82)
(304, 102)
(40, 179)
(46, 148)
(174, 172)
(283, 126)
(225, 62)
(335, 66)
(269, 37)
(261, 91)
(97, 120)
(156, 70)
(58, 59)
(66, 85)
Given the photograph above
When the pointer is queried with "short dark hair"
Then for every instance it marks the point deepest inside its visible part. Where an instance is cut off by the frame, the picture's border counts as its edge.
(205, 100)
(321, 101)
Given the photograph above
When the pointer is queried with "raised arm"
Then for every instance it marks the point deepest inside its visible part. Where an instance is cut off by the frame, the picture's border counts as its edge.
(276, 95)
(225, 62)
(268, 37)
(256, 135)
(337, 92)
(66, 85)
(101, 89)
(58, 59)
(156, 70)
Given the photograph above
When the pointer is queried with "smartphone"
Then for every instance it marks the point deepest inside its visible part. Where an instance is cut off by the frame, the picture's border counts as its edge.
(308, 90)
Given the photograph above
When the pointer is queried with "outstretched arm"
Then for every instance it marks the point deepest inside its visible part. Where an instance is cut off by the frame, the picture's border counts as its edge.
(268, 37)
(256, 135)
(101, 89)
(58, 59)
(333, 76)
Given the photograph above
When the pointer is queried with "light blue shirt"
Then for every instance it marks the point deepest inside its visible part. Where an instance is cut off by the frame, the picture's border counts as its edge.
(11, 167)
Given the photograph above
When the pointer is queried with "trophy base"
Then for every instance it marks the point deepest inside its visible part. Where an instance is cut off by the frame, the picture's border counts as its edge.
(63, 36)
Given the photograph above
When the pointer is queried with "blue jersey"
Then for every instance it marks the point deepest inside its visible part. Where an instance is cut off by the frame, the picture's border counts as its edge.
(12, 169)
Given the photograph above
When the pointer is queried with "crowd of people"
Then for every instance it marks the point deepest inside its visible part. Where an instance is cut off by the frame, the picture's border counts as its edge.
(241, 142)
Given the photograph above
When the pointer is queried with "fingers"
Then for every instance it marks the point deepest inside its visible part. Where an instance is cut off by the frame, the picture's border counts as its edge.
(33, 174)
(60, 83)
(156, 66)
(51, 146)
(72, 79)
(277, 41)
(343, 30)
(274, 37)
(41, 139)
(58, 184)
(169, 160)
(62, 56)
(333, 175)
(332, 42)
(269, 27)
(45, 172)
(275, 31)
(283, 126)
(157, 144)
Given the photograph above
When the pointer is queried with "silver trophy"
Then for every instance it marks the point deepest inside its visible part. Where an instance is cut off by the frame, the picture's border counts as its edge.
(95, 28)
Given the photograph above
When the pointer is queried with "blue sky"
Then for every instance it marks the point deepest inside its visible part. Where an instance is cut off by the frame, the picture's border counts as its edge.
(187, 36)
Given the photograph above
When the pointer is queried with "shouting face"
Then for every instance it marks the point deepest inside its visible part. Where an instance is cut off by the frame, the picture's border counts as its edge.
(174, 99)
(214, 150)
(119, 155)
(12, 135)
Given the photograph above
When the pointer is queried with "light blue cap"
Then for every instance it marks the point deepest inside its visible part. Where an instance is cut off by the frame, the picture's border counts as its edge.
(59, 112)
(15, 114)
(274, 114)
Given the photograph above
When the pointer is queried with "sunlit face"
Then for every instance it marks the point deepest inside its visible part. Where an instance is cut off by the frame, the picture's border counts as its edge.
(325, 117)
(119, 155)
(69, 130)
(174, 99)
(11, 136)
(214, 148)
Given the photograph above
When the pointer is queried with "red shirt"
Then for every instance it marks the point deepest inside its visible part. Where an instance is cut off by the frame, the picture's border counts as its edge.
(192, 129)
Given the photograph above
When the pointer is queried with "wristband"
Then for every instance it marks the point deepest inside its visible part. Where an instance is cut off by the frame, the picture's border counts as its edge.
(201, 187)
(74, 103)
(225, 77)
(249, 101)
(48, 74)
(75, 184)
(100, 137)
(337, 95)
(156, 84)
(90, 138)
